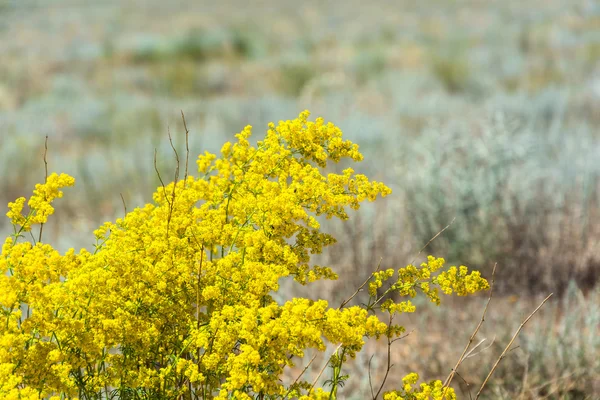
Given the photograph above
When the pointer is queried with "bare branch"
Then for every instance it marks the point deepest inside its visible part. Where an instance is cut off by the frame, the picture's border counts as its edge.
(361, 286)
(389, 358)
(471, 354)
(403, 337)
(157, 172)
(45, 160)
(466, 383)
(370, 381)
(432, 239)
(45, 180)
(300, 376)
(176, 155)
(323, 369)
(164, 191)
(389, 365)
(464, 353)
(124, 205)
(172, 204)
(187, 146)
(506, 349)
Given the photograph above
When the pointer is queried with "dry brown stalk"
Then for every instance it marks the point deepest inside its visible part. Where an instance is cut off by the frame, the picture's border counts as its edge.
(433, 238)
(323, 369)
(300, 376)
(464, 353)
(187, 146)
(45, 180)
(510, 344)
(361, 286)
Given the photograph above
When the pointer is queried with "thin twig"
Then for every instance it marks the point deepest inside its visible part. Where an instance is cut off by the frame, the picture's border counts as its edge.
(172, 205)
(389, 359)
(176, 154)
(403, 337)
(187, 147)
(158, 173)
(361, 286)
(514, 348)
(124, 205)
(45, 180)
(300, 376)
(45, 160)
(462, 356)
(466, 383)
(164, 191)
(323, 369)
(471, 354)
(390, 342)
(432, 239)
(370, 381)
(510, 344)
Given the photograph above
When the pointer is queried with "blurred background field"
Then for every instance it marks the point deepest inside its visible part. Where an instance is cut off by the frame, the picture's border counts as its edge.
(485, 113)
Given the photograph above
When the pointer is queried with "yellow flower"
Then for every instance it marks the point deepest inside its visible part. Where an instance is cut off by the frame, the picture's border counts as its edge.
(179, 292)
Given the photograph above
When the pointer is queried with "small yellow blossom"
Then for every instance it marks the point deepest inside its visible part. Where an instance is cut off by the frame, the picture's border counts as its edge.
(178, 293)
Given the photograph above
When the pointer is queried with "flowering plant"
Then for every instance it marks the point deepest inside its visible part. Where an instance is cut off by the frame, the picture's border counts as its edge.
(175, 300)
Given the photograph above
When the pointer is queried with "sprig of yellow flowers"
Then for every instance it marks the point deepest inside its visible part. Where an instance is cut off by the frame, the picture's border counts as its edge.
(176, 300)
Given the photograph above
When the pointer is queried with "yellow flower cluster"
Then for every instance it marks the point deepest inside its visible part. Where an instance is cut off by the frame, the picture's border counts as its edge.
(176, 298)
(412, 278)
(433, 390)
(461, 282)
(40, 204)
